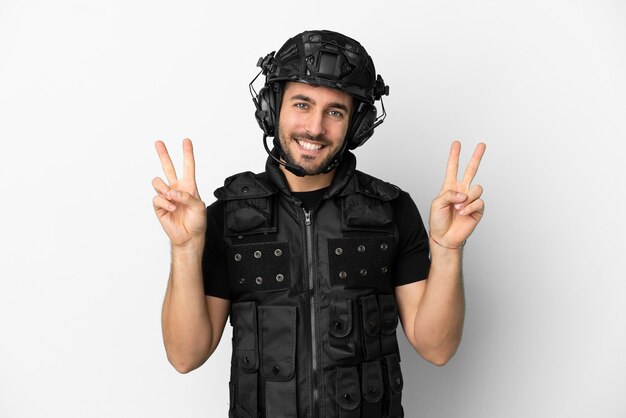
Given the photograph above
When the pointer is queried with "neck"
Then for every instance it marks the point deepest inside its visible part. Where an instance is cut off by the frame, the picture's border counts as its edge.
(307, 183)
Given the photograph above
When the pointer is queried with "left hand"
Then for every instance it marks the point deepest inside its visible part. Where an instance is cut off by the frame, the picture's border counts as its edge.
(455, 213)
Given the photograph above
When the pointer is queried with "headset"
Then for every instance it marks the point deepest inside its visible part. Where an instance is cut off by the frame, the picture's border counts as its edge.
(323, 58)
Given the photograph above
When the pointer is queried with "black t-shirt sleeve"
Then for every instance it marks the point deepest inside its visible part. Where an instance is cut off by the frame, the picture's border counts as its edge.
(214, 267)
(413, 258)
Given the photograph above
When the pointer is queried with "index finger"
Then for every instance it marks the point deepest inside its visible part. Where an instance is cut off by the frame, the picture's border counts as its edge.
(166, 161)
(452, 168)
(472, 167)
(189, 162)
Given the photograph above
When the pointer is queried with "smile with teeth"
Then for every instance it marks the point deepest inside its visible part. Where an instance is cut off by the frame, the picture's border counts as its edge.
(309, 146)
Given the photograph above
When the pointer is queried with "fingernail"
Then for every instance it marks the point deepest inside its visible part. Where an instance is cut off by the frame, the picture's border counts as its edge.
(458, 206)
(172, 208)
(460, 195)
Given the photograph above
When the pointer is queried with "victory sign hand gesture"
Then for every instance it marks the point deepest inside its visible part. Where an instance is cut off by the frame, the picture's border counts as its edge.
(457, 210)
(178, 206)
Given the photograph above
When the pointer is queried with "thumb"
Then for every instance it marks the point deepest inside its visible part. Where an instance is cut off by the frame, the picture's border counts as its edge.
(449, 197)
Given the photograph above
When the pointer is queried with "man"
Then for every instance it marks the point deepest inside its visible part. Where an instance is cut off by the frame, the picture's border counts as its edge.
(314, 260)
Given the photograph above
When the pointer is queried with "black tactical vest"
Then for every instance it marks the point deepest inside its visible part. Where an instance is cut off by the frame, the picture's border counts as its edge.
(313, 309)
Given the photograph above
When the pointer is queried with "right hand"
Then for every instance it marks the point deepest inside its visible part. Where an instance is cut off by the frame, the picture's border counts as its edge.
(178, 206)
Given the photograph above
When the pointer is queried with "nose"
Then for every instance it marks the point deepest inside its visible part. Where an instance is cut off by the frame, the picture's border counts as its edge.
(314, 125)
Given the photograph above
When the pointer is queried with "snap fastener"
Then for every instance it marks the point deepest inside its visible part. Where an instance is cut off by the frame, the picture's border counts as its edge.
(237, 257)
(280, 277)
(278, 252)
(398, 381)
(383, 270)
(372, 389)
(384, 246)
(338, 251)
(259, 280)
(361, 248)
(388, 323)
(242, 280)
(343, 275)
(239, 236)
(275, 370)
(244, 190)
(246, 360)
(347, 397)
(363, 272)
(373, 324)
(257, 254)
(338, 325)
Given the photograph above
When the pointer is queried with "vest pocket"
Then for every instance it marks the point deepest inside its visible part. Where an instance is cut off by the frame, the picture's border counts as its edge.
(393, 387)
(371, 326)
(245, 332)
(348, 393)
(340, 327)
(277, 326)
(372, 389)
(388, 324)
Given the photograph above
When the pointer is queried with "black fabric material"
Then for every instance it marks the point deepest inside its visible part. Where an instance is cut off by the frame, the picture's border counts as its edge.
(260, 267)
(388, 324)
(311, 199)
(371, 326)
(392, 402)
(245, 344)
(411, 263)
(348, 393)
(372, 389)
(323, 338)
(277, 326)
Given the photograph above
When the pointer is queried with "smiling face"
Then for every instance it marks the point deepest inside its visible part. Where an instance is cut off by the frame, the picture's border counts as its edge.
(312, 125)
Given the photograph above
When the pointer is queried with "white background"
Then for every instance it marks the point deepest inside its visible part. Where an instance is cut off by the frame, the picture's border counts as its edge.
(86, 88)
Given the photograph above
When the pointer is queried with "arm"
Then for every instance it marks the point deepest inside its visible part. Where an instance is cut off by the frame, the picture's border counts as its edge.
(432, 311)
(192, 323)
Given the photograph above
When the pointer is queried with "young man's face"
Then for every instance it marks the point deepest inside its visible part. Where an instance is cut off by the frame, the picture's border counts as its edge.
(312, 125)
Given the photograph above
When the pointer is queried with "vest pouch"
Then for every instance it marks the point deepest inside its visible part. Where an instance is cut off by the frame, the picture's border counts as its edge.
(340, 328)
(348, 392)
(371, 327)
(366, 213)
(388, 324)
(372, 389)
(277, 328)
(244, 390)
(392, 376)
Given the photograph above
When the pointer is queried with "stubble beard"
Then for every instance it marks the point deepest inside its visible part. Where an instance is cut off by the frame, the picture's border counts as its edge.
(291, 159)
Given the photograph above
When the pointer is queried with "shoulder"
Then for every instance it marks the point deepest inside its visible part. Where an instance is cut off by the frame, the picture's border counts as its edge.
(245, 185)
(374, 187)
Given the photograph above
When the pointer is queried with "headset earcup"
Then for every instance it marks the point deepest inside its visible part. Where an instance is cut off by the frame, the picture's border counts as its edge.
(265, 113)
(362, 126)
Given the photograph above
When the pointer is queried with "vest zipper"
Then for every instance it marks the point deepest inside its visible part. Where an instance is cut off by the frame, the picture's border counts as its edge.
(308, 227)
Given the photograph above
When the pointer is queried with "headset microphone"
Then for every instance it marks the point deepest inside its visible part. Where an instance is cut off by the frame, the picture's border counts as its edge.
(295, 169)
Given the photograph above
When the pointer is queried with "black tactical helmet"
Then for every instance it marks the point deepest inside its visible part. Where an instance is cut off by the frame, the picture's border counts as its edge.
(328, 59)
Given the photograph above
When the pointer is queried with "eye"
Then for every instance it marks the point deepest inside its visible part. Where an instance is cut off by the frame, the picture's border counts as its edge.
(301, 105)
(336, 114)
